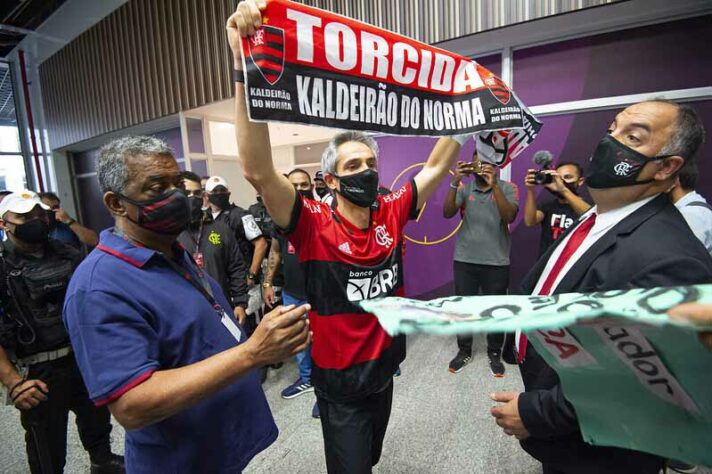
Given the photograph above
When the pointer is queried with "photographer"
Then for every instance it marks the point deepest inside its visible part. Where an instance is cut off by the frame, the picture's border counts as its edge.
(558, 214)
(481, 263)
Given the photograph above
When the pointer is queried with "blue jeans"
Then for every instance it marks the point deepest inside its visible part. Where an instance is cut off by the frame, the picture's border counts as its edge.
(303, 358)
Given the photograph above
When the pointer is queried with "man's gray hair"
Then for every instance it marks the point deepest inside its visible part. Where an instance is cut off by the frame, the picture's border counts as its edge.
(689, 133)
(328, 158)
(111, 168)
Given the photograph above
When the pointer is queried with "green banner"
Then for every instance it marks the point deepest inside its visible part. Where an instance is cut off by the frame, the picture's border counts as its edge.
(637, 379)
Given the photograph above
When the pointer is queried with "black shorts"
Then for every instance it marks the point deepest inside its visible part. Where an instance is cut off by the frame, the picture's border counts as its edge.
(354, 431)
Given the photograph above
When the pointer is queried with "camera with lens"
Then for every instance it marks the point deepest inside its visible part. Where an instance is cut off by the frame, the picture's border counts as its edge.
(543, 160)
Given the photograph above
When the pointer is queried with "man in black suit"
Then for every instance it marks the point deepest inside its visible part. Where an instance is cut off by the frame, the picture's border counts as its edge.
(633, 238)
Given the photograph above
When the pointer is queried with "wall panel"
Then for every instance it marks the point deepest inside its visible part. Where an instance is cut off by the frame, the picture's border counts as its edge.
(153, 58)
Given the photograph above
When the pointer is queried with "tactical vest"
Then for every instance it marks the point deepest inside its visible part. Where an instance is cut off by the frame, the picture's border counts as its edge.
(33, 291)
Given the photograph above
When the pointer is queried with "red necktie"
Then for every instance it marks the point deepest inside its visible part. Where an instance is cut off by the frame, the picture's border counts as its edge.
(571, 246)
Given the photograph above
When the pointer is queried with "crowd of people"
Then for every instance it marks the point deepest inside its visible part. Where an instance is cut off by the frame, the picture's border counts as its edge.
(173, 318)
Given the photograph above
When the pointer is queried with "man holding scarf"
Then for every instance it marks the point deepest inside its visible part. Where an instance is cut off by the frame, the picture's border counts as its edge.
(349, 251)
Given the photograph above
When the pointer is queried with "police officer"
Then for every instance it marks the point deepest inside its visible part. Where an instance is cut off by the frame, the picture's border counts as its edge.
(37, 366)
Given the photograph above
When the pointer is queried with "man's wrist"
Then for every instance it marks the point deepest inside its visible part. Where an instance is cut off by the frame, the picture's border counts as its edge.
(266, 284)
(251, 276)
(71, 222)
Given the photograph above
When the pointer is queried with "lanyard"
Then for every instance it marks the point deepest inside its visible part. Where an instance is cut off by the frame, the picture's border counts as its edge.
(200, 236)
(203, 287)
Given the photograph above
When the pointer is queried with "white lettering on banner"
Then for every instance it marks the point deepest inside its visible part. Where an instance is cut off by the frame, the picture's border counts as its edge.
(564, 347)
(371, 54)
(365, 285)
(305, 33)
(638, 354)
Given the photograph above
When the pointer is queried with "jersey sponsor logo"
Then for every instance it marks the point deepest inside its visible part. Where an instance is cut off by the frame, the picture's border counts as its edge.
(383, 238)
(369, 284)
(395, 195)
(214, 238)
(345, 248)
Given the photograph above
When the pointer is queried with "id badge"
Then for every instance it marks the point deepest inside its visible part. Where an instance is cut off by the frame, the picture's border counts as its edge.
(198, 257)
(230, 325)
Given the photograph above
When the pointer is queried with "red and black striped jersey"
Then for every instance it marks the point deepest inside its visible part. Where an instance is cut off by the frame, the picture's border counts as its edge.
(352, 355)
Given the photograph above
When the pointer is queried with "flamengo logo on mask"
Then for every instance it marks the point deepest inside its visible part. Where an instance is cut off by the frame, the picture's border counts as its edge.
(371, 284)
(623, 168)
(383, 238)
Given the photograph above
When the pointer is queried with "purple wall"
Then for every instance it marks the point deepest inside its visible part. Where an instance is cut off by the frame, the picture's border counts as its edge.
(653, 58)
(660, 57)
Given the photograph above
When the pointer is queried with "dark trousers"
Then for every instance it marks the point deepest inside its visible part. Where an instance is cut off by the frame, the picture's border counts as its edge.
(46, 424)
(471, 280)
(354, 431)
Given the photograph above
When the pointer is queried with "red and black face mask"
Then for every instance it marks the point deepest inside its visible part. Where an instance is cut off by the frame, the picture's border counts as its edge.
(167, 214)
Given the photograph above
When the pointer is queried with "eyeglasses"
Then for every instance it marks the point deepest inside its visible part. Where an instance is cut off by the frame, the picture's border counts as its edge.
(196, 193)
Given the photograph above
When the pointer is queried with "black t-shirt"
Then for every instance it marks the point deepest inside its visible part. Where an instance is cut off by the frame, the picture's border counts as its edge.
(293, 276)
(558, 217)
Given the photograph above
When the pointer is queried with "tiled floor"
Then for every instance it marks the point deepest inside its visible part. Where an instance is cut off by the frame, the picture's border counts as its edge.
(440, 423)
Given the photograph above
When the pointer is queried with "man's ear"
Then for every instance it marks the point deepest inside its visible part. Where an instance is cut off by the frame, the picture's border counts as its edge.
(331, 181)
(581, 181)
(671, 165)
(2, 224)
(114, 204)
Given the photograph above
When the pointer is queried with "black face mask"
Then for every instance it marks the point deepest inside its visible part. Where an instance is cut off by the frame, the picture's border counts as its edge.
(196, 209)
(35, 231)
(52, 218)
(306, 193)
(167, 214)
(221, 200)
(613, 165)
(321, 192)
(360, 188)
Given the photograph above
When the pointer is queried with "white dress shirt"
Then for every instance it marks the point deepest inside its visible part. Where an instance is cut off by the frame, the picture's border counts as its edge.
(605, 221)
(699, 218)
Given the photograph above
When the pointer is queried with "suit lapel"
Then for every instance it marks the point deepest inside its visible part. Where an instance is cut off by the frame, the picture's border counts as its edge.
(572, 278)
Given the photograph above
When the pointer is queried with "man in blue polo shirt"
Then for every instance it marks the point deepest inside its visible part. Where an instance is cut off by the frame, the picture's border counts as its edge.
(155, 338)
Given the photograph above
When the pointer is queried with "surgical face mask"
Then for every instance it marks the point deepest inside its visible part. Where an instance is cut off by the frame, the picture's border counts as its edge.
(321, 192)
(613, 165)
(167, 214)
(361, 188)
(35, 231)
(196, 209)
(222, 200)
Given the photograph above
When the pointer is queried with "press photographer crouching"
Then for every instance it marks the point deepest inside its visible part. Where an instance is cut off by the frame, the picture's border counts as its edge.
(564, 208)
(37, 365)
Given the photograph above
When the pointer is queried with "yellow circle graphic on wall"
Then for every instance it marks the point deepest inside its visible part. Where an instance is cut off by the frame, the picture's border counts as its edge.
(441, 228)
